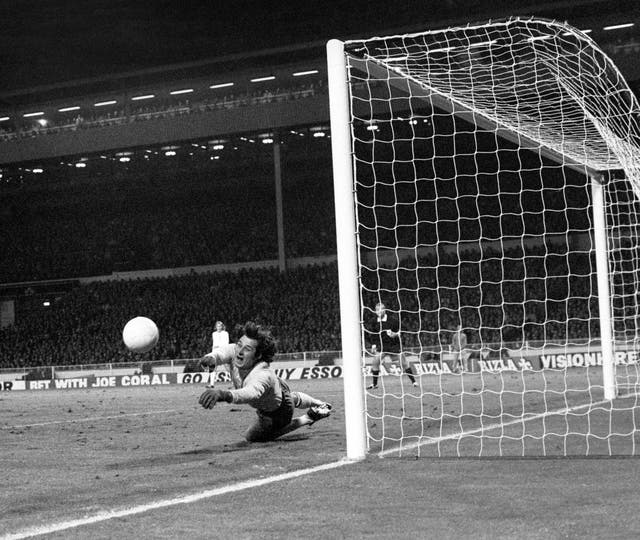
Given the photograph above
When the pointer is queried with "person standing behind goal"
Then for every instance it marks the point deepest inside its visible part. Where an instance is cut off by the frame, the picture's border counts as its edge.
(219, 338)
(386, 345)
(459, 348)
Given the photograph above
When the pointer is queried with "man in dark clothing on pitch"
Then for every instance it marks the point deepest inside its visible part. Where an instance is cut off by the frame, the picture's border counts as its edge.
(386, 345)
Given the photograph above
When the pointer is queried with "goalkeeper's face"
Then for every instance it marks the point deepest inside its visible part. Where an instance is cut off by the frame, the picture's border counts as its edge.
(245, 356)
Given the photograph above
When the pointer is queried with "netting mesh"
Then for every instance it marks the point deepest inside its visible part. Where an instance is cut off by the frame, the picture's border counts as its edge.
(540, 79)
(472, 154)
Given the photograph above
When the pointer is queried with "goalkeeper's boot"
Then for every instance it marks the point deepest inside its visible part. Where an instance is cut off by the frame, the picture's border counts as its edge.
(318, 412)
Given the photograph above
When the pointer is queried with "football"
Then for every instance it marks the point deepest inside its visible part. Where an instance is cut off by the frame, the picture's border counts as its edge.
(140, 335)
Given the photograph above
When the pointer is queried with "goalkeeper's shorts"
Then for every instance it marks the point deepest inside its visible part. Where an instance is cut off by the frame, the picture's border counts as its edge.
(269, 423)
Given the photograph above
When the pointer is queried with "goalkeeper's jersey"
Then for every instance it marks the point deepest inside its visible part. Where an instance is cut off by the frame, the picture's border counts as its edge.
(260, 387)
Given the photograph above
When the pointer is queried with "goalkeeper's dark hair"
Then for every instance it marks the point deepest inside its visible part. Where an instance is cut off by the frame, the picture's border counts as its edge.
(267, 344)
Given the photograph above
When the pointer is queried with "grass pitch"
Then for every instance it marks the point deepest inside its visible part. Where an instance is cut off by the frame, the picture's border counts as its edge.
(67, 455)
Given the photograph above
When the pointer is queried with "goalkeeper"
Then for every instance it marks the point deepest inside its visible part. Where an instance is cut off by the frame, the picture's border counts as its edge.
(256, 384)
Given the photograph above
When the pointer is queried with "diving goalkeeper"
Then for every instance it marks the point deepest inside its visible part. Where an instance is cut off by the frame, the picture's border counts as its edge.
(257, 385)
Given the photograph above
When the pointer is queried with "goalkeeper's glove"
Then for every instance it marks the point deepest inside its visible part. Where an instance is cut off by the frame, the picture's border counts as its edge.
(211, 396)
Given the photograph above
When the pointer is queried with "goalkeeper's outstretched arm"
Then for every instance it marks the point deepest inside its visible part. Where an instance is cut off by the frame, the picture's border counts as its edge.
(218, 357)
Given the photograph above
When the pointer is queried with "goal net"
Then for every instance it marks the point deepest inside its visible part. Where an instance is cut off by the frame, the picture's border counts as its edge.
(487, 190)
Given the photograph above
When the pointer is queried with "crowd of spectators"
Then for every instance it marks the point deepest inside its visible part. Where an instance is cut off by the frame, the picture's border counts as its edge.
(518, 296)
(499, 298)
(626, 46)
(187, 214)
(194, 213)
(171, 215)
(84, 326)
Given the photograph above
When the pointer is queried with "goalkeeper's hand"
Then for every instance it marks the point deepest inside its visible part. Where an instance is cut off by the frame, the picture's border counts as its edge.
(211, 396)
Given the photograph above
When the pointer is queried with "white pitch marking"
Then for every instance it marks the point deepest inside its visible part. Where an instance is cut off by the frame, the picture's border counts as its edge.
(114, 514)
(91, 419)
(105, 516)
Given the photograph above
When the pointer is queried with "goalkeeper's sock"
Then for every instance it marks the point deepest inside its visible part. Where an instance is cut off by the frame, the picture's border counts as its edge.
(375, 373)
(304, 401)
(410, 375)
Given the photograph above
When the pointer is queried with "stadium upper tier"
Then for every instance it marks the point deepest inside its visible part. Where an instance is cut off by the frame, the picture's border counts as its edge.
(195, 204)
(253, 82)
(267, 99)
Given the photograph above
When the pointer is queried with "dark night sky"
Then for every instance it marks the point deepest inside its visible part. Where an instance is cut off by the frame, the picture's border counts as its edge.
(51, 41)
(48, 41)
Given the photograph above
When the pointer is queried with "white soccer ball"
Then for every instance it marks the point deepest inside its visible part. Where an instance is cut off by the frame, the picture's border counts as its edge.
(140, 335)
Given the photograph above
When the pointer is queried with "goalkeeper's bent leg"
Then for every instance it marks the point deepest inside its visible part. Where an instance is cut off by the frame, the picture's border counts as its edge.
(271, 425)
(264, 432)
(296, 423)
(314, 414)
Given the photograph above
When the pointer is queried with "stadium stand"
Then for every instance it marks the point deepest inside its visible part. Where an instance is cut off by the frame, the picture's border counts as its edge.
(160, 214)
(532, 289)
(164, 109)
(84, 326)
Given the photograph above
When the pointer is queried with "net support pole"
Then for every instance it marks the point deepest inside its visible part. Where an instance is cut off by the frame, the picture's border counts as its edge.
(604, 292)
(277, 177)
(348, 273)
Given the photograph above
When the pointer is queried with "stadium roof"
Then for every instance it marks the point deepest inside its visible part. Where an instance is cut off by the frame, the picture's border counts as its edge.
(51, 43)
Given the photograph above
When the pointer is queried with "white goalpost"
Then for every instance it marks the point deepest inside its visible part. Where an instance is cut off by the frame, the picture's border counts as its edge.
(487, 183)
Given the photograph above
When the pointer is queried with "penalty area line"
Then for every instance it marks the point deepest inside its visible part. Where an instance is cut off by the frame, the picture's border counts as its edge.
(186, 499)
